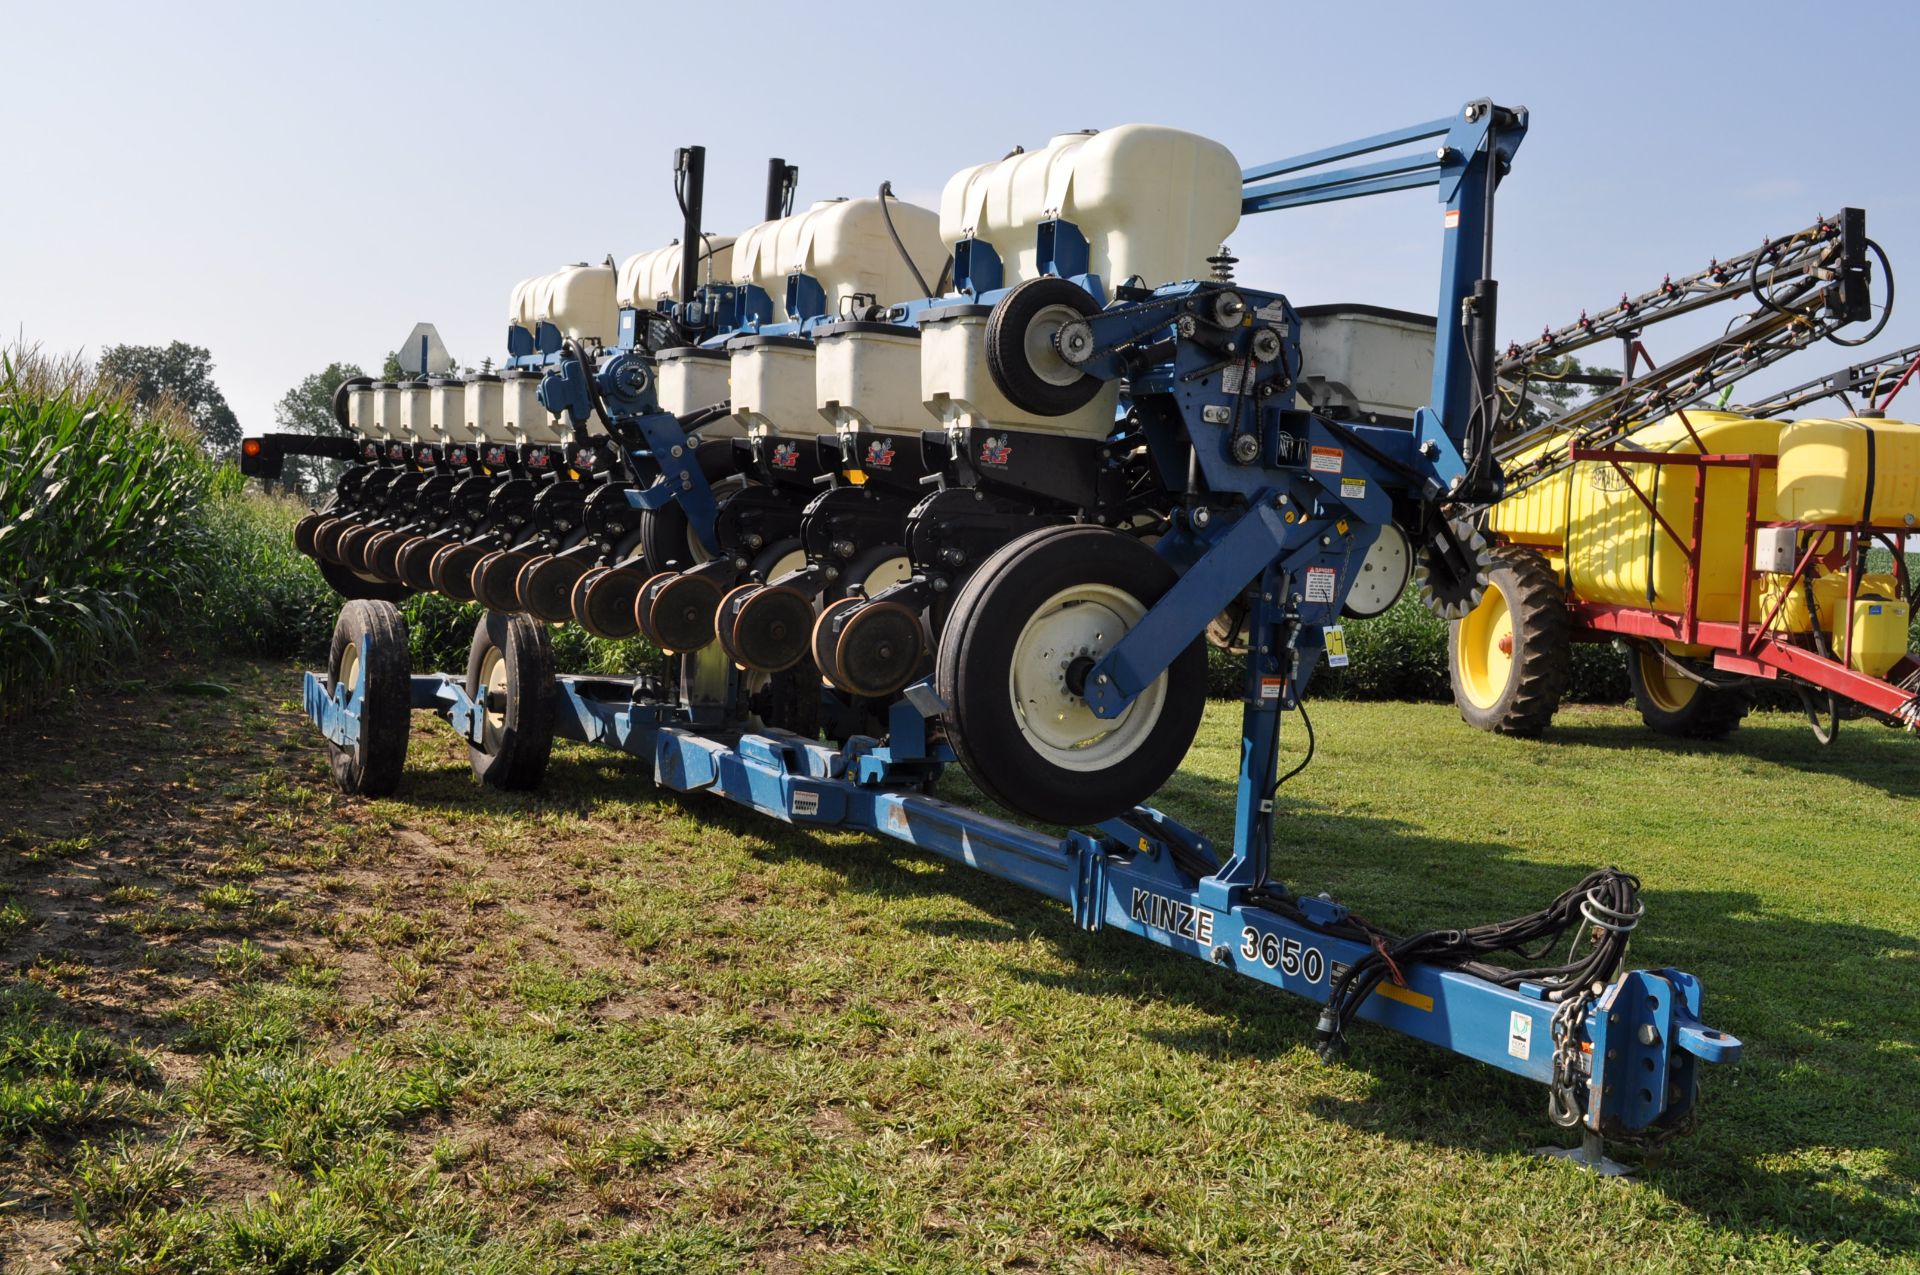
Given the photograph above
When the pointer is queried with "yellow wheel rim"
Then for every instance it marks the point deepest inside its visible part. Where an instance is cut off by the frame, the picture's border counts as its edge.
(1484, 650)
(1665, 689)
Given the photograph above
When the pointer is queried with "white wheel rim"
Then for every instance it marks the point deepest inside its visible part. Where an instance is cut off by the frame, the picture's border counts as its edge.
(1383, 573)
(349, 680)
(789, 562)
(1042, 356)
(886, 575)
(1085, 620)
(493, 684)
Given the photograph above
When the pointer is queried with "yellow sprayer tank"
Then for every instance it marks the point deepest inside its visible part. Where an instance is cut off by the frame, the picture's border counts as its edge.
(1613, 549)
(1847, 472)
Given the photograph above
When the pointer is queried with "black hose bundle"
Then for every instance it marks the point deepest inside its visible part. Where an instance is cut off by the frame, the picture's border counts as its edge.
(1604, 907)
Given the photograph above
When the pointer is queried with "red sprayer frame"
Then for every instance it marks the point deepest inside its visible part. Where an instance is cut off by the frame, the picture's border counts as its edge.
(1746, 647)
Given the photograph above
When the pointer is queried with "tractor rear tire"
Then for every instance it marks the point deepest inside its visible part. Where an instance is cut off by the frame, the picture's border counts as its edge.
(510, 675)
(1672, 704)
(372, 766)
(1510, 657)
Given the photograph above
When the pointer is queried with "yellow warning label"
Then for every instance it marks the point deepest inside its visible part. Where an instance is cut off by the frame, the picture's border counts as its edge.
(1405, 995)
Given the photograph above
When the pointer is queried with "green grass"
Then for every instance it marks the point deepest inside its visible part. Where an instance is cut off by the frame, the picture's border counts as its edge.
(601, 1028)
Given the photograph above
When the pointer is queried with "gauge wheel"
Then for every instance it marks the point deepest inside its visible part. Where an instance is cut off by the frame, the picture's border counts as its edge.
(368, 658)
(1021, 354)
(1673, 704)
(510, 679)
(1012, 664)
(1509, 657)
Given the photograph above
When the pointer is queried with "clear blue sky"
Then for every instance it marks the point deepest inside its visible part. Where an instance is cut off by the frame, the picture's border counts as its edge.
(291, 184)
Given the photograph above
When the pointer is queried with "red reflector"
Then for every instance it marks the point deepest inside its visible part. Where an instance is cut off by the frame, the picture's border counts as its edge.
(250, 447)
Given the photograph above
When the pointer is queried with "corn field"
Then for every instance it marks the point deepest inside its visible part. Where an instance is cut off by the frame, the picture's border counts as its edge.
(100, 533)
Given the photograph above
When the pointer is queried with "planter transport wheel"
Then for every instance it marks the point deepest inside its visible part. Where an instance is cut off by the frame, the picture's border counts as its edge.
(354, 584)
(882, 647)
(681, 615)
(1012, 661)
(1674, 704)
(415, 560)
(452, 570)
(368, 660)
(510, 676)
(496, 578)
(826, 636)
(772, 627)
(1509, 656)
(546, 584)
(1022, 355)
(603, 601)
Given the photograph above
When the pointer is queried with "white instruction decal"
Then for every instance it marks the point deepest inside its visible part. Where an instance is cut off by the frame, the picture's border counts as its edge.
(1320, 583)
(1520, 1035)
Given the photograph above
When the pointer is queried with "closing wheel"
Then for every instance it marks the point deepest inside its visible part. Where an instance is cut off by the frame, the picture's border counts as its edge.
(546, 584)
(602, 601)
(415, 560)
(355, 584)
(327, 535)
(771, 626)
(678, 612)
(1674, 704)
(1022, 354)
(826, 636)
(882, 647)
(452, 570)
(510, 675)
(496, 579)
(1509, 656)
(383, 554)
(1013, 660)
(350, 547)
(382, 678)
(303, 532)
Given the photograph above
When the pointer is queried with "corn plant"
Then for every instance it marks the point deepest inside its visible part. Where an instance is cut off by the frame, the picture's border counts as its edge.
(100, 527)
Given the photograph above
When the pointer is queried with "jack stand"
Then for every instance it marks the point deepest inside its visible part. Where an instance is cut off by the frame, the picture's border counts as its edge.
(1590, 1155)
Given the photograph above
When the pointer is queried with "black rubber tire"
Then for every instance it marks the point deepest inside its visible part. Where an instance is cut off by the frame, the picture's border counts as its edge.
(372, 767)
(864, 564)
(1708, 713)
(353, 585)
(516, 750)
(664, 539)
(975, 658)
(1007, 360)
(1542, 645)
(340, 394)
